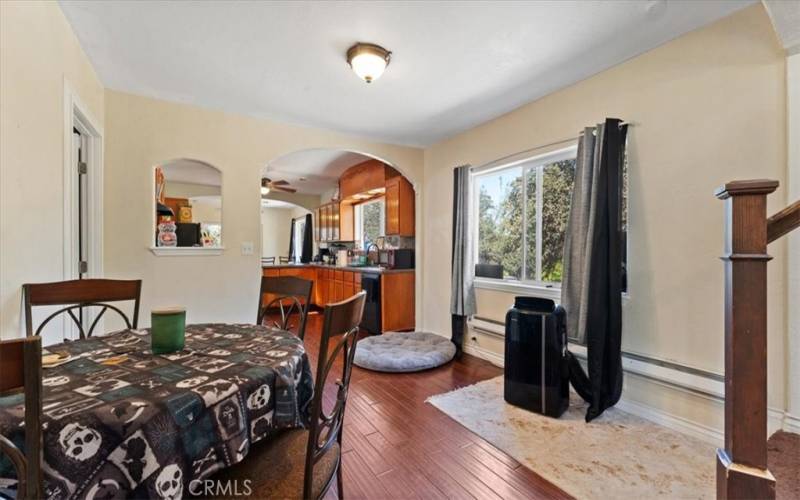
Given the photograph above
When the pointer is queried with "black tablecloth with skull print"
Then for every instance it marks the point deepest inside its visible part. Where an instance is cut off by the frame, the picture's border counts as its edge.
(120, 421)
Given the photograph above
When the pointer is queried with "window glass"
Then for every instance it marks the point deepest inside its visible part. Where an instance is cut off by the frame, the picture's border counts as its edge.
(557, 180)
(500, 223)
(370, 221)
(531, 223)
(530, 202)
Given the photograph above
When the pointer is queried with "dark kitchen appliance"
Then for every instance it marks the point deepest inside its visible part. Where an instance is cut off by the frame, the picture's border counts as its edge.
(371, 321)
(399, 258)
(188, 234)
(536, 370)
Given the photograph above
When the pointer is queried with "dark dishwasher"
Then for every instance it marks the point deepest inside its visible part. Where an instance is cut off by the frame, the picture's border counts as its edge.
(371, 283)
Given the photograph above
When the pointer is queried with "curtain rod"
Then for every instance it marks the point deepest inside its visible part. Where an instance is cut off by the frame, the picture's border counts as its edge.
(535, 148)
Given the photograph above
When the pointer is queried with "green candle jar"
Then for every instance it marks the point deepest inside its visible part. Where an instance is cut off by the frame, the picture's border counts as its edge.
(167, 329)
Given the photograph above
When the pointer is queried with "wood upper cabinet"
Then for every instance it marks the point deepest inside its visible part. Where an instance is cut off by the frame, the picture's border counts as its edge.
(363, 177)
(335, 222)
(399, 207)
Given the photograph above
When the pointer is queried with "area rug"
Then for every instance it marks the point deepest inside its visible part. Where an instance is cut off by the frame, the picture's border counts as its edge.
(618, 455)
(404, 352)
(783, 460)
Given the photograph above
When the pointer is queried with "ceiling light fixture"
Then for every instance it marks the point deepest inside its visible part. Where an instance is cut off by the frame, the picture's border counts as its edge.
(368, 60)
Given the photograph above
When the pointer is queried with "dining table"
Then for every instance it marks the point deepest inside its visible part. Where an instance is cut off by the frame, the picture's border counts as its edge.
(120, 421)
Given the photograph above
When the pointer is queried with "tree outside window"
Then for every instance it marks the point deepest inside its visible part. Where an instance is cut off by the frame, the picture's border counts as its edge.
(526, 203)
(529, 202)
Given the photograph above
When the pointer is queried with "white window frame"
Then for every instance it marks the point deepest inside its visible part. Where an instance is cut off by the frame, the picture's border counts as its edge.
(533, 163)
(359, 218)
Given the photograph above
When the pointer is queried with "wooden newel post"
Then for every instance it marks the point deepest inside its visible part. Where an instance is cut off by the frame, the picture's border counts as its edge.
(742, 465)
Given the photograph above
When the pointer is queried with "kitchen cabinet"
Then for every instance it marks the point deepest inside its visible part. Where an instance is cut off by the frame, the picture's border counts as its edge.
(367, 176)
(334, 285)
(335, 222)
(399, 207)
(397, 301)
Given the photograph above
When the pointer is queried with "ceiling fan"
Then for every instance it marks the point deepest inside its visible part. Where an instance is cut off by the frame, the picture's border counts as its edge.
(268, 185)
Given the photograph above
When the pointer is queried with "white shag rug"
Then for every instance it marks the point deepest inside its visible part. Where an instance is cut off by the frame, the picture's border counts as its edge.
(618, 455)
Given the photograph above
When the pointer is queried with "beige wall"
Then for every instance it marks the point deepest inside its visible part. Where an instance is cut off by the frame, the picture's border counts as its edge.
(275, 224)
(206, 210)
(706, 108)
(174, 189)
(143, 132)
(38, 54)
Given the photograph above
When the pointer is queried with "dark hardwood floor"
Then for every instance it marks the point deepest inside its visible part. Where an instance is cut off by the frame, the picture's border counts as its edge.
(397, 446)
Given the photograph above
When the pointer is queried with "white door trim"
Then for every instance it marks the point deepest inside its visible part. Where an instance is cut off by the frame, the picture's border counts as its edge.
(77, 115)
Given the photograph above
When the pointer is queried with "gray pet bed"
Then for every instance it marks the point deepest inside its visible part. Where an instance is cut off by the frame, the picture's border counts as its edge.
(403, 351)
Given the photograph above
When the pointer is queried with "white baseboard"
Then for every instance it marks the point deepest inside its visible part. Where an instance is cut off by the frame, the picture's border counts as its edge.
(703, 432)
(479, 352)
(791, 423)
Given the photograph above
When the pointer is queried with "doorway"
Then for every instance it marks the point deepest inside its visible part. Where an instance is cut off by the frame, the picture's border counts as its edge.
(83, 198)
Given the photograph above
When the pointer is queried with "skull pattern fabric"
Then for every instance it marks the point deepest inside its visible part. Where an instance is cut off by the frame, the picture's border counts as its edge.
(149, 425)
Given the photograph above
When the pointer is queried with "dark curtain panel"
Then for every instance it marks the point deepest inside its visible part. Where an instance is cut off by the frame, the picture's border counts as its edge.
(462, 301)
(591, 290)
(291, 242)
(308, 241)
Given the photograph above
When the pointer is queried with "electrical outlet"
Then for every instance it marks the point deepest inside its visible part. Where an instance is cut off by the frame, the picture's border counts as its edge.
(247, 248)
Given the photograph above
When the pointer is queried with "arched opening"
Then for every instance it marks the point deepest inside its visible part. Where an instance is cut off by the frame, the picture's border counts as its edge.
(187, 205)
(364, 220)
(282, 231)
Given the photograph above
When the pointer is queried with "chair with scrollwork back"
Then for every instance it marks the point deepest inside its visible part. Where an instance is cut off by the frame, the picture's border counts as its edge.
(80, 294)
(303, 463)
(21, 371)
(287, 294)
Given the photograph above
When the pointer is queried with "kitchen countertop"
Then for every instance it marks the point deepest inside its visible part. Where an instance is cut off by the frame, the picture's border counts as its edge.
(357, 269)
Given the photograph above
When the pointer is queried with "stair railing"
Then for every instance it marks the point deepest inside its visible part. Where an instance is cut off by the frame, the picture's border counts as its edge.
(742, 464)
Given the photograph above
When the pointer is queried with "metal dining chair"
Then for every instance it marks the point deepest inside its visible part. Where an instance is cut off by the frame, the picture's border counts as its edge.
(79, 294)
(267, 261)
(21, 370)
(285, 294)
(283, 260)
(303, 463)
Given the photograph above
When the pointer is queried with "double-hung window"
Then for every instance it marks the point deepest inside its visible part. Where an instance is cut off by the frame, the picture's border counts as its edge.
(521, 215)
(521, 211)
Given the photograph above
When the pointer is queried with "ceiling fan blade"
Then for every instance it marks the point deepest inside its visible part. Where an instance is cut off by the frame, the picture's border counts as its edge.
(284, 189)
(280, 183)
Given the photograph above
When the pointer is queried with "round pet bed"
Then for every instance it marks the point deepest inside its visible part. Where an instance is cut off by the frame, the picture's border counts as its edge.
(403, 351)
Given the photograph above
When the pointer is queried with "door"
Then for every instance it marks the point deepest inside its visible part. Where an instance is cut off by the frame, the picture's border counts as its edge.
(81, 238)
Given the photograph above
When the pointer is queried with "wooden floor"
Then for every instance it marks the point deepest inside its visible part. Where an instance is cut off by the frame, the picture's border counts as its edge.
(397, 446)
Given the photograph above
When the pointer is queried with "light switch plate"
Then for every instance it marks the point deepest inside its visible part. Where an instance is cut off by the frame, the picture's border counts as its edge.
(247, 248)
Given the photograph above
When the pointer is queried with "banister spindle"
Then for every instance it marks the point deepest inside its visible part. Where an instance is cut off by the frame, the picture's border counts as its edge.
(742, 465)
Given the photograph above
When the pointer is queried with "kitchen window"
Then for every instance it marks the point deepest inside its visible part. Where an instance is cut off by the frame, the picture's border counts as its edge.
(521, 219)
(370, 221)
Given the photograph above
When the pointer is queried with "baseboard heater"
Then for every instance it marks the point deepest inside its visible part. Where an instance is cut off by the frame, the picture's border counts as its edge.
(686, 377)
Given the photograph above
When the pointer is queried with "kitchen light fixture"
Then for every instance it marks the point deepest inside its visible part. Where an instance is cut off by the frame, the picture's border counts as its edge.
(368, 60)
(264, 190)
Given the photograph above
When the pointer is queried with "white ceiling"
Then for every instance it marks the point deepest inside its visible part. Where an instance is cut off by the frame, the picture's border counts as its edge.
(785, 18)
(454, 64)
(192, 172)
(313, 171)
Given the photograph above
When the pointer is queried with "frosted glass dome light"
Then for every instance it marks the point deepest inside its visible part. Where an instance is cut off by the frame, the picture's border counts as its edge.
(368, 60)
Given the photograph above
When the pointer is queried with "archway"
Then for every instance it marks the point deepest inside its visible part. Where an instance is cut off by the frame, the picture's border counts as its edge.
(281, 223)
(316, 172)
(187, 205)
